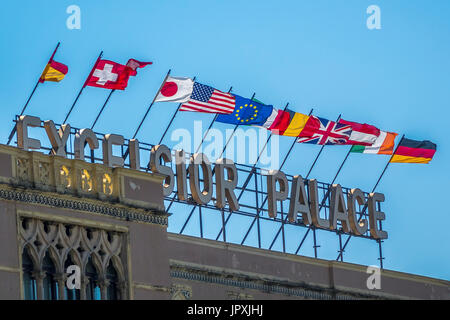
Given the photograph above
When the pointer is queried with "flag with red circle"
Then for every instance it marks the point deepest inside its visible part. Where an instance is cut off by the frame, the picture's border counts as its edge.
(176, 89)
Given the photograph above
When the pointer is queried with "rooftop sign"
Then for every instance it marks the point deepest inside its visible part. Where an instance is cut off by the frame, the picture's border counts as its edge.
(193, 177)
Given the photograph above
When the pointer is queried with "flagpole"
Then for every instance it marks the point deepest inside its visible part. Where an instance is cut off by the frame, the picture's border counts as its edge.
(82, 88)
(265, 199)
(151, 104)
(387, 165)
(322, 203)
(234, 130)
(247, 180)
(373, 190)
(293, 144)
(282, 164)
(276, 236)
(96, 119)
(171, 120)
(146, 113)
(267, 141)
(213, 172)
(13, 131)
(334, 179)
(320, 152)
(101, 110)
(198, 148)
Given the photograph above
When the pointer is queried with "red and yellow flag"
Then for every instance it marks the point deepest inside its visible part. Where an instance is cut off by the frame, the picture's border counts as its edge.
(54, 71)
(286, 123)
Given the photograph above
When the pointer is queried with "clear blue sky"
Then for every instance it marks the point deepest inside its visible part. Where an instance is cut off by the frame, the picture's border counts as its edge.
(308, 53)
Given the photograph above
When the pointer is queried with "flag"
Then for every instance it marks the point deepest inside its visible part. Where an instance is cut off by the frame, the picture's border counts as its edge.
(286, 123)
(54, 71)
(413, 151)
(175, 89)
(323, 131)
(362, 134)
(207, 99)
(112, 75)
(247, 112)
(134, 64)
(384, 144)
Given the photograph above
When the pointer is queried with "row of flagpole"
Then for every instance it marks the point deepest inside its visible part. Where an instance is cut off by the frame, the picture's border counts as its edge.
(148, 110)
(203, 139)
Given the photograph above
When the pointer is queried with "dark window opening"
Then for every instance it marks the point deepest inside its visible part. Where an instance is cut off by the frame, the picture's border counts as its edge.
(92, 288)
(111, 275)
(29, 283)
(70, 294)
(50, 285)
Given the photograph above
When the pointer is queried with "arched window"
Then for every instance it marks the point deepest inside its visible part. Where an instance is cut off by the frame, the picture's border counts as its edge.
(29, 283)
(71, 294)
(111, 275)
(92, 288)
(49, 283)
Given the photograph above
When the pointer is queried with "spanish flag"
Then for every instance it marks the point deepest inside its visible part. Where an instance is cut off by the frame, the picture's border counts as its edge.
(413, 151)
(54, 71)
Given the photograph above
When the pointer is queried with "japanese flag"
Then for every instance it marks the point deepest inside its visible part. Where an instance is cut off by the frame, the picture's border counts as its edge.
(176, 89)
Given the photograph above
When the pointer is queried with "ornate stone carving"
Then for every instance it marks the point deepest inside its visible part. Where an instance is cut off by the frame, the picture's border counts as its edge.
(65, 177)
(44, 173)
(239, 296)
(61, 240)
(181, 292)
(129, 214)
(23, 172)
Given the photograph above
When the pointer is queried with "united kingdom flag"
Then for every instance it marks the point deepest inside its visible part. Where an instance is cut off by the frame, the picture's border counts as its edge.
(322, 131)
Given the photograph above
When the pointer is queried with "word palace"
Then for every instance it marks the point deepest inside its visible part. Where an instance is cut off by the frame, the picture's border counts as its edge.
(304, 195)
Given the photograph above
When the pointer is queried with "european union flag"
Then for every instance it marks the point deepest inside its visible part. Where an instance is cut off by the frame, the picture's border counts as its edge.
(247, 111)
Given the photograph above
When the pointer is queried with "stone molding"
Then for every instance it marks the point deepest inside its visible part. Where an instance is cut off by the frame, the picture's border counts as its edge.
(87, 205)
(258, 284)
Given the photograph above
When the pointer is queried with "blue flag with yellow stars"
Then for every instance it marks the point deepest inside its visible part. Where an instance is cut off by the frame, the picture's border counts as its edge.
(247, 111)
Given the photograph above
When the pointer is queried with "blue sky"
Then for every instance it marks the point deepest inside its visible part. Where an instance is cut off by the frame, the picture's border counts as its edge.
(309, 53)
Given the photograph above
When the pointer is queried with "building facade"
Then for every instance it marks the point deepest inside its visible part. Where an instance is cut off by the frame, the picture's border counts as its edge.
(56, 213)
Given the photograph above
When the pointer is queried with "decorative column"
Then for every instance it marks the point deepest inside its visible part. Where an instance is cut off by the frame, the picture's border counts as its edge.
(39, 276)
(83, 285)
(61, 280)
(122, 290)
(103, 284)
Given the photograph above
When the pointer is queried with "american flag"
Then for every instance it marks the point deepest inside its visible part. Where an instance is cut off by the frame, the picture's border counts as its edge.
(207, 99)
(323, 131)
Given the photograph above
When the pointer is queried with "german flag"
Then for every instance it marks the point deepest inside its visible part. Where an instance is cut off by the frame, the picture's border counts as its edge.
(413, 151)
(54, 71)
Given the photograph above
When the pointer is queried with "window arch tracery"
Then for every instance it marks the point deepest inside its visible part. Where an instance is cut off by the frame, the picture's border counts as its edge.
(49, 248)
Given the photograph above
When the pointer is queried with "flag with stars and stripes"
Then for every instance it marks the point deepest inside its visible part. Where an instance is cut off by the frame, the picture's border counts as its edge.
(207, 99)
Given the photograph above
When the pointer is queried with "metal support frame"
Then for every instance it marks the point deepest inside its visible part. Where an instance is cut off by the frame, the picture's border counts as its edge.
(254, 210)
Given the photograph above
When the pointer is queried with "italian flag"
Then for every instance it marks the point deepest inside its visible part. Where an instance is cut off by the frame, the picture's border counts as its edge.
(384, 144)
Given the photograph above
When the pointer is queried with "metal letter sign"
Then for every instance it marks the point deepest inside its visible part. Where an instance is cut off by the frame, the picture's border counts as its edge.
(342, 212)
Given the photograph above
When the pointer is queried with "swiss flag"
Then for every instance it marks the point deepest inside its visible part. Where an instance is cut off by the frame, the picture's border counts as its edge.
(112, 75)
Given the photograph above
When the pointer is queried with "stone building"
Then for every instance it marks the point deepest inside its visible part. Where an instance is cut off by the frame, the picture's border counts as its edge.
(111, 223)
